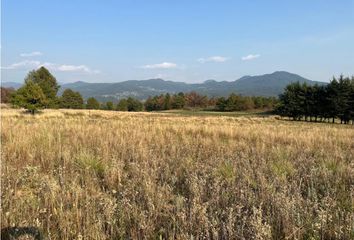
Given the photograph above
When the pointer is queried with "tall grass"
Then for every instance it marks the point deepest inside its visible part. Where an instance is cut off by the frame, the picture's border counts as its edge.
(112, 175)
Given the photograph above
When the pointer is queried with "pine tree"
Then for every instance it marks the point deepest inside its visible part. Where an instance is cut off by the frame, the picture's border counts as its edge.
(178, 101)
(292, 101)
(47, 83)
(351, 100)
(71, 99)
(30, 97)
(92, 103)
(109, 105)
(122, 105)
(344, 99)
(221, 104)
(134, 105)
(167, 102)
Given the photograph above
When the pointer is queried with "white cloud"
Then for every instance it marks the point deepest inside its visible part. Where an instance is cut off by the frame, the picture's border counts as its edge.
(164, 65)
(23, 65)
(32, 54)
(250, 57)
(213, 59)
(76, 68)
(31, 64)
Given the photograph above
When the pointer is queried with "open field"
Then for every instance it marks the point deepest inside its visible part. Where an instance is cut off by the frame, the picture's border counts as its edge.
(118, 175)
(216, 113)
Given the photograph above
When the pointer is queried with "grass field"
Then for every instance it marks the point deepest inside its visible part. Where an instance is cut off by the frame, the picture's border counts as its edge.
(117, 175)
(215, 113)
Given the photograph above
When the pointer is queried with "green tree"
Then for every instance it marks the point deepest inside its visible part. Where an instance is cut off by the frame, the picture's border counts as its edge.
(338, 96)
(344, 99)
(247, 103)
(167, 102)
(122, 105)
(292, 101)
(47, 83)
(233, 103)
(151, 104)
(351, 100)
(134, 105)
(71, 99)
(221, 104)
(30, 97)
(109, 106)
(178, 101)
(92, 103)
(335, 100)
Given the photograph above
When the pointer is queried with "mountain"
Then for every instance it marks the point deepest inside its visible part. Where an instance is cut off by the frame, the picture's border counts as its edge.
(263, 85)
(269, 84)
(14, 85)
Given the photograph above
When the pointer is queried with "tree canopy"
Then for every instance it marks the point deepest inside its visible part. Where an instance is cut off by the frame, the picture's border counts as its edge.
(6, 94)
(92, 103)
(335, 100)
(30, 97)
(134, 105)
(122, 105)
(47, 83)
(71, 99)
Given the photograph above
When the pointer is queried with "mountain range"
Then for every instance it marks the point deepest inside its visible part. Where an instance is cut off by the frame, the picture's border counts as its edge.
(262, 85)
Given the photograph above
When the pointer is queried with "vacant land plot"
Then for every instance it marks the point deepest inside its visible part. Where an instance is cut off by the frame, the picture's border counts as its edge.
(114, 175)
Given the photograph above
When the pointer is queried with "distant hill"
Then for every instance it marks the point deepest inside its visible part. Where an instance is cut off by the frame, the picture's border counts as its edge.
(263, 85)
(14, 85)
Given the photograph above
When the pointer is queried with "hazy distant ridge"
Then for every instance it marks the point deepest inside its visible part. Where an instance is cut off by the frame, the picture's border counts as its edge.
(262, 85)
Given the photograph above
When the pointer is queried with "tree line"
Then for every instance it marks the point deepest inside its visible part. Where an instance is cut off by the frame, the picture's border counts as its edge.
(194, 100)
(298, 101)
(40, 90)
(319, 102)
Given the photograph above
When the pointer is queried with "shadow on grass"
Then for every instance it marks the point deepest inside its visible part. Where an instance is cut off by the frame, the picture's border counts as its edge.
(10, 233)
(336, 122)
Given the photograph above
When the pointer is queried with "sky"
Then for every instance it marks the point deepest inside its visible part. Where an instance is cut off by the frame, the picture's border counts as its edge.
(184, 40)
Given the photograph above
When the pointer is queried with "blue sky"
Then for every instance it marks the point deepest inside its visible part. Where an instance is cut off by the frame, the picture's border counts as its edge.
(111, 41)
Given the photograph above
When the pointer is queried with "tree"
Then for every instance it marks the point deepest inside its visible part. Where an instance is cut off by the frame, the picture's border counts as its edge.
(178, 101)
(221, 104)
(71, 99)
(344, 99)
(151, 104)
(122, 105)
(167, 102)
(30, 97)
(338, 96)
(233, 103)
(335, 100)
(259, 102)
(47, 83)
(247, 103)
(193, 100)
(351, 100)
(292, 101)
(92, 103)
(134, 105)
(109, 106)
(6, 94)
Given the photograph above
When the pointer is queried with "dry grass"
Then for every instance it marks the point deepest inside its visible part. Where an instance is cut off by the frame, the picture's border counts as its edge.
(114, 175)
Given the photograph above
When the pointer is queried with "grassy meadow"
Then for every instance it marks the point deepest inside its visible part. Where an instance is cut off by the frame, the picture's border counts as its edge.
(79, 174)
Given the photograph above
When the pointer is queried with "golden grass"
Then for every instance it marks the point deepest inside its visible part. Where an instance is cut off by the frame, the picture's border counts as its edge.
(80, 174)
